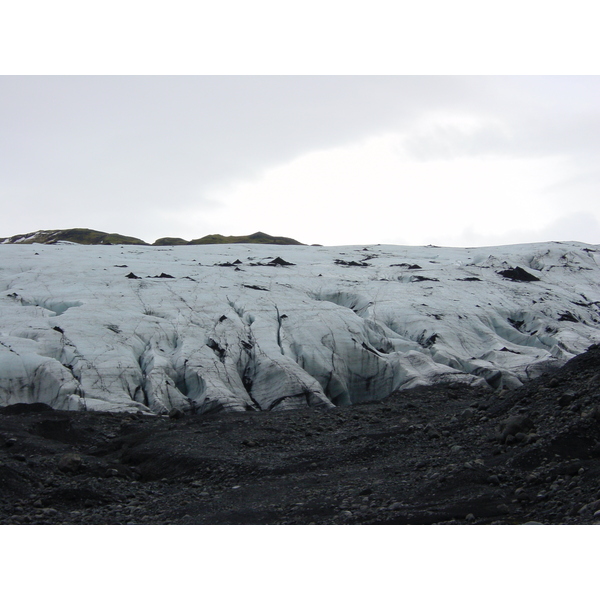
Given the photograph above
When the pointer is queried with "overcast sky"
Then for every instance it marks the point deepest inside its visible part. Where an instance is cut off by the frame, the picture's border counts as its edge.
(459, 161)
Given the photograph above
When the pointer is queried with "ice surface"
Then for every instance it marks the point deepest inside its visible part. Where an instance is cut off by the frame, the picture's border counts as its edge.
(339, 325)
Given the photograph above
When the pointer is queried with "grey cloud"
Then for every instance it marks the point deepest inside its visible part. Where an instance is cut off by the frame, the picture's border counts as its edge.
(585, 180)
(446, 142)
(580, 226)
(575, 226)
(521, 117)
(71, 145)
(91, 148)
(216, 125)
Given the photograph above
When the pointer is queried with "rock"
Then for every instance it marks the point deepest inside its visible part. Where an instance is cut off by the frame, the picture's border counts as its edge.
(518, 274)
(566, 399)
(590, 508)
(70, 463)
(22, 408)
(514, 425)
(432, 432)
(281, 262)
(176, 413)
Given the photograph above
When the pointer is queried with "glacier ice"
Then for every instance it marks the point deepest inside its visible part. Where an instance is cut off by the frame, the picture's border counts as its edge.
(245, 327)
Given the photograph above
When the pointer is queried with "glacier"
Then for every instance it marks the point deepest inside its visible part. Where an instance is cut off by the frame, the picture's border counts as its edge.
(264, 327)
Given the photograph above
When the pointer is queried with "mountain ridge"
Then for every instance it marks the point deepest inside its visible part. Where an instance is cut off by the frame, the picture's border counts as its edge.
(92, 237)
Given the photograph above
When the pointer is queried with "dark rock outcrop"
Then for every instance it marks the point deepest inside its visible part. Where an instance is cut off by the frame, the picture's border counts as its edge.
(518, 274)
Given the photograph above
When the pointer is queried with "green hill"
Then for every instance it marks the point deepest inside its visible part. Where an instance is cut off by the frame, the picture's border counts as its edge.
(170, 241)
(256, 238)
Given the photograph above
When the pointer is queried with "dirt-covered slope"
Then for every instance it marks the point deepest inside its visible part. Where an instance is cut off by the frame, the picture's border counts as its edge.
(444, 454)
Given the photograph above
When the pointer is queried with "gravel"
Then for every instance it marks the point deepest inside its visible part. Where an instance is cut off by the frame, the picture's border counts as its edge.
(424, 456)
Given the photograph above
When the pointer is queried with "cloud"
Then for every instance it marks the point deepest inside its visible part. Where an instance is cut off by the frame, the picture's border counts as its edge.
(578, 227)
(451, 136)
(73, 145)
(372, 192)
(515, 116)
(230, 153)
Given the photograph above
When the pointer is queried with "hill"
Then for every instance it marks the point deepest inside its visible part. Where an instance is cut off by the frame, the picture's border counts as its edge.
(255, 238)
(90, 237)
(170, 241)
